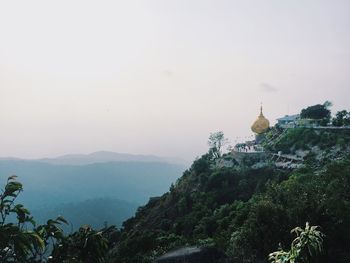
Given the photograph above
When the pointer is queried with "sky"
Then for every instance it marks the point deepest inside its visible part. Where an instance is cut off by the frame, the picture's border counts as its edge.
(157, 76)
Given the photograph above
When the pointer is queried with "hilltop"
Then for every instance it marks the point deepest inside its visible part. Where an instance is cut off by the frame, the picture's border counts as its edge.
(247, 210)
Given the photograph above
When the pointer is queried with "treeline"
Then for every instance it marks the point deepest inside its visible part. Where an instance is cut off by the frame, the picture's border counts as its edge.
(322, 114)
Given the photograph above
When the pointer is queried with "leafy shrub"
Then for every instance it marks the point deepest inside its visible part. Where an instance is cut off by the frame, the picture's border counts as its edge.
(24, 242)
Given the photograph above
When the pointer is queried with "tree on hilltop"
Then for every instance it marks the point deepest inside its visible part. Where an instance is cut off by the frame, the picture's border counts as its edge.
(342, 118)
(319, 112)
(216, 141)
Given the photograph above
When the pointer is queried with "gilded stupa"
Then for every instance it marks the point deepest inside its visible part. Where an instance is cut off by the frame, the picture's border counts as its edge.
(261, 124)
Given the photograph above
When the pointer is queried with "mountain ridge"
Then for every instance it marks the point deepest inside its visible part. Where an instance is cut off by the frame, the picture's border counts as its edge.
(101, 157)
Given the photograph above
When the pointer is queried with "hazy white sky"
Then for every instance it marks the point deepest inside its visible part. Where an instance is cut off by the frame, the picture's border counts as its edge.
(157, 76)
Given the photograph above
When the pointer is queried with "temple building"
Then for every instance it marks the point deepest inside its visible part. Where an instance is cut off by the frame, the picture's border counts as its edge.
(289, 121)
(261, 125)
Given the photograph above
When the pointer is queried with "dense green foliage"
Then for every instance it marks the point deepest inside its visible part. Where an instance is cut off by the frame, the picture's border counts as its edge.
(16, 243)
(245, 212)
(305, 139)
(304, 248)
(317, 112)
(342, 118)
(21, 240)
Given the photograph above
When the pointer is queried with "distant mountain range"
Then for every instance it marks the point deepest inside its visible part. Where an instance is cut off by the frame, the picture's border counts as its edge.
(69, 183)
(104, 157)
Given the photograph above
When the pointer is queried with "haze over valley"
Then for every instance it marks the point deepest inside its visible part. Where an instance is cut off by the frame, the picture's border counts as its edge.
(116, 184)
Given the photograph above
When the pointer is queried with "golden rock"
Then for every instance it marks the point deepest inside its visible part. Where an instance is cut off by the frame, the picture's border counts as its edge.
(261, 124)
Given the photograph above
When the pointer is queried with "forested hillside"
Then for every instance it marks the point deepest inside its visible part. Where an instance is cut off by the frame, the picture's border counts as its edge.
(248, 212)
(238, 208)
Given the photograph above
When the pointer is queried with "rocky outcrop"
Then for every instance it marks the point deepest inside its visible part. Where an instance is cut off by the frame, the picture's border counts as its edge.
(194, 255)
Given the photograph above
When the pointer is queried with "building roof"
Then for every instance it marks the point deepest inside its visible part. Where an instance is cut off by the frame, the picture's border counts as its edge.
(289, 117)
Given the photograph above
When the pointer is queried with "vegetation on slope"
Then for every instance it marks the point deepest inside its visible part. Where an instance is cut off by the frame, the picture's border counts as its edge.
(245, 212)
(305, 139)
(23, 241)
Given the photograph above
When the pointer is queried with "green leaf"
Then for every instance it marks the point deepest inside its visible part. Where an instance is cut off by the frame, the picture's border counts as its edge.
(62, 219)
